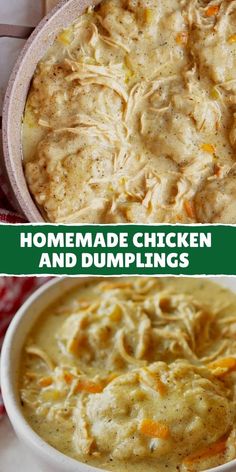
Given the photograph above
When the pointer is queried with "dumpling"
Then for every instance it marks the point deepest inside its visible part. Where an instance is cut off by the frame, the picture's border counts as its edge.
(216, 200)
(163, 407)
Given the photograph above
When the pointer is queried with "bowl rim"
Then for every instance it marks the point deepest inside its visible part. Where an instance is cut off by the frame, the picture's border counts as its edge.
(48, 453)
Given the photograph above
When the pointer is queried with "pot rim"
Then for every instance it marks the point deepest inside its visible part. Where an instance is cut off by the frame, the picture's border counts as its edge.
(12, 168)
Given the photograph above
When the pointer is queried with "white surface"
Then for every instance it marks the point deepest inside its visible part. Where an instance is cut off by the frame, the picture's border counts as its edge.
(20, 12)
(14, 456)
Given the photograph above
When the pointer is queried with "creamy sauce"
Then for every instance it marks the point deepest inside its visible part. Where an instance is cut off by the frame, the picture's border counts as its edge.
(136, 374)
(130, 117)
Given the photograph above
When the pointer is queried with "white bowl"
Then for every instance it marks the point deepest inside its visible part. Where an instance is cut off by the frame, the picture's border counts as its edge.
(49, 458)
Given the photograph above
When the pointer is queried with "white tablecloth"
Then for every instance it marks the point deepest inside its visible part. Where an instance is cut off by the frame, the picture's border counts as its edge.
(13, 456)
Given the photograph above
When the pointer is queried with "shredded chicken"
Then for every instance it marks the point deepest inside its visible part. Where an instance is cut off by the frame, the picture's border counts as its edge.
(138, 364)
(131, 114)
(38, 352)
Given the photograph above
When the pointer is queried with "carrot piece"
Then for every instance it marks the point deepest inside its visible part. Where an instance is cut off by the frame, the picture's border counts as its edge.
(223, 366)
(212, 11)
(232, 39)
(160, 387)
(208, 148)
(189, 208)
(45, 381)
(182, 38)
(89, 387)
(154, 429)
(212, 450)
(68, 377)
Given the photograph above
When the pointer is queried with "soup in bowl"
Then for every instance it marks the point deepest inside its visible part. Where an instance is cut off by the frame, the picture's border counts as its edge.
(125, 374)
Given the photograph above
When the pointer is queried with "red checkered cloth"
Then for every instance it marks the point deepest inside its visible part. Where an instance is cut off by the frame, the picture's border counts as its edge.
(13, 292)
(7, 212)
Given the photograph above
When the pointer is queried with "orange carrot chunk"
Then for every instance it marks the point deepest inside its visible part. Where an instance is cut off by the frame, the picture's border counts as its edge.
(89, 387)
(154, 429)
(223, 366)
(45, 381)
(209, 451)
(160, 387)
(189, 208)
(68, 377)
(208, 148)
(212, 11)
